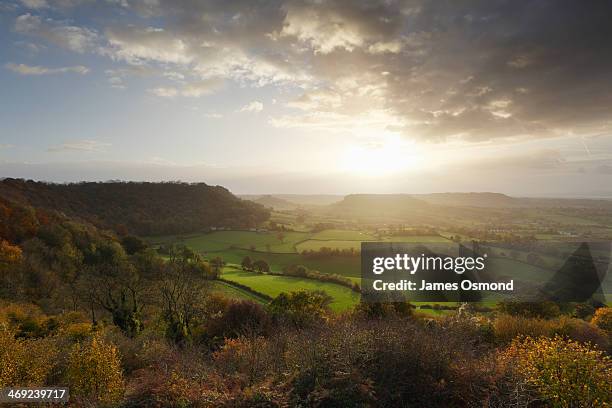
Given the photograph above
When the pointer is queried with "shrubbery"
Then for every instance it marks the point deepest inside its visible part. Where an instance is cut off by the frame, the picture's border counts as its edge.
(564, 373)
(506, 328)
(303, 272)
(94, 371)
(545, 310)
(603, 319)
(25, 362)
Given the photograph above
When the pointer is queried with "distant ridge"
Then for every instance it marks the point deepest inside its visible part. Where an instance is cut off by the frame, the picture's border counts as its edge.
(484, 199)
(303, 200)
(276, 203)
(372, 205)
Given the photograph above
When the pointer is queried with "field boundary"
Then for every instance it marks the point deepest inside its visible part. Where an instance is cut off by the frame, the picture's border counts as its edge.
(246, 289)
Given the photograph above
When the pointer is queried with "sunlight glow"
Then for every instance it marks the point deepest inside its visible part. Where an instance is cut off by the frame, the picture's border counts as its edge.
(382, 159)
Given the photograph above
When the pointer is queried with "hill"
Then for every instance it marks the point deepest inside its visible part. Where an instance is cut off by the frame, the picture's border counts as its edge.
(492, 200)
(373, 205)
(498, 200)
(141, 208)
(273, 202)
(294, 200)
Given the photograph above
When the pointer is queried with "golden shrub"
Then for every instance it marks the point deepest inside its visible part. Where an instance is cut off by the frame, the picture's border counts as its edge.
(9, 254)
(603, 319)
(94, 371)
(564, 372)
(25, 362)
(77, 331)
(507, 327)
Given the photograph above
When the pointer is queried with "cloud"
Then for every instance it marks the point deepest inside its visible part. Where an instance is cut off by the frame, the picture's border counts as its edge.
(74, 38)
(441, 71)
(254, 106)
(165, 92)
(190, 90)
(213, 115)
(35, 4)
(134, 45)
(6, 146)
(335, 25)
(23, 69)
(116, 82)
(80, 146)
(44, 4)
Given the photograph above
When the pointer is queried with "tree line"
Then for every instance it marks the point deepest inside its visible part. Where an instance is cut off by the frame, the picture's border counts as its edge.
(140, 208)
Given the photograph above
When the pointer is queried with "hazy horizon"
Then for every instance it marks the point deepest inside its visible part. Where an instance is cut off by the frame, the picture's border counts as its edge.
(602, 195)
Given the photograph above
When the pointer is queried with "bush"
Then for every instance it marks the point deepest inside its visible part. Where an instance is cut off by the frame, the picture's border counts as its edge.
(565, 373)
(303, 272)
(301, 308)
(545, 310)
(77, 331)
(27, 320)
(507, 327)
(25, 362)
(94, 371)
(584, 310)
(243, 358)
(395, 361)
(603, 319)
(244, 317)
(381, 310)
(584, 332)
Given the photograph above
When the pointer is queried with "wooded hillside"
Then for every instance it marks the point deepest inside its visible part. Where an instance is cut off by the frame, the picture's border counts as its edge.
(140, 208)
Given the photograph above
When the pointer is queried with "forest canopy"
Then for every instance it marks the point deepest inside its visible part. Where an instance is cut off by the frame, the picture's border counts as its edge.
(140, 208)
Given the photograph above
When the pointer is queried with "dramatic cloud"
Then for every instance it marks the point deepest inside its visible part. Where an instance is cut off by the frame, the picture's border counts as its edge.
(435, 71)
(80, 146)
(78, 39)
(23, 69)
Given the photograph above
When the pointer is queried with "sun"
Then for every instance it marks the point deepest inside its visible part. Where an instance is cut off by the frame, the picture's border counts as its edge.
(381, 159)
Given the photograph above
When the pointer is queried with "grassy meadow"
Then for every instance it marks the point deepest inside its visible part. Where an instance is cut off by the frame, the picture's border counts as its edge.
(286, 249)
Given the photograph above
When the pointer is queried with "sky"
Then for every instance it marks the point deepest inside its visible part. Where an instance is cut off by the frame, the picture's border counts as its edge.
(311, 96)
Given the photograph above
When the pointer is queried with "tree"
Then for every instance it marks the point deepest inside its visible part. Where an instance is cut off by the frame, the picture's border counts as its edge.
(603, 319)
(261, 266)
(118, 287)
(247, 263)
(217, 264)
(182, 286)
(133, 244)
(94, 371)
(281, 236)
(301, 308)
(10, 258)
(243, 318)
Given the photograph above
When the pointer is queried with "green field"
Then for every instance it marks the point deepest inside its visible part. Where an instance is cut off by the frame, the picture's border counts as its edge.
(221, 240)
(234, 292)
(272, 285)
(315, 245)
(233, 246)
(342, 235)
(416, 238)
(345, 266)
